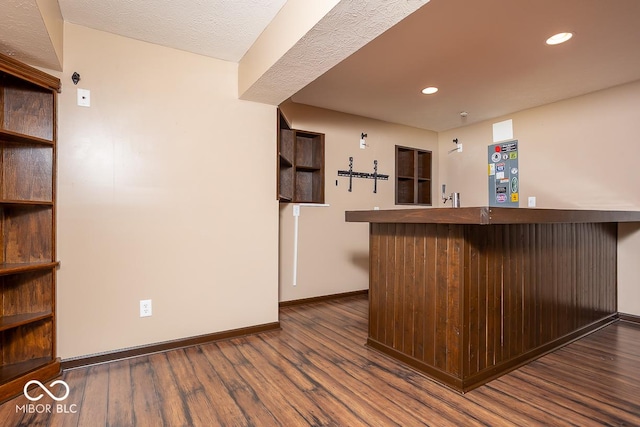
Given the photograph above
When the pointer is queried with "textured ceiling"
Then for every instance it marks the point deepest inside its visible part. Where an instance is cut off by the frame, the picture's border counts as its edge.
(347, 27)
(223, 29)
(24, 36)
(487, 57)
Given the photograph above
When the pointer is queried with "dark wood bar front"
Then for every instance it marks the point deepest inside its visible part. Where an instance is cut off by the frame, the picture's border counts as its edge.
(465, 295)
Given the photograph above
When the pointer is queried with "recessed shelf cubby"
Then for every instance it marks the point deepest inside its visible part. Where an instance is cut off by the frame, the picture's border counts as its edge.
(300, 164)
(413, 176)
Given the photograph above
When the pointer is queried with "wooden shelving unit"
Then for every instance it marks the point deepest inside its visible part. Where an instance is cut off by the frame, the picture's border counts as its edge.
(300, 164)
(413, 176)
(27, 226)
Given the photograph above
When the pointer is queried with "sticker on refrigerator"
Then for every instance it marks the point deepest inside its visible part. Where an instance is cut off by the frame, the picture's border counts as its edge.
(504, 175)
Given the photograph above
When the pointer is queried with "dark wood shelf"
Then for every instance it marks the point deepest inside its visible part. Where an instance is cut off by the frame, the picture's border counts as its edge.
(9, 322)
(18, 138)
(285, 162)
(37, 203)
(26, 267)
(308, 168)
(15, 370)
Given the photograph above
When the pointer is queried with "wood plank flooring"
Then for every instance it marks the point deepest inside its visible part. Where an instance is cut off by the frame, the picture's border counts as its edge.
(316, 371)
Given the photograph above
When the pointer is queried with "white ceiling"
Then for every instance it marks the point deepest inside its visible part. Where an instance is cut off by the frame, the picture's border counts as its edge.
(487, 56)
(23, 34)
(223, 29)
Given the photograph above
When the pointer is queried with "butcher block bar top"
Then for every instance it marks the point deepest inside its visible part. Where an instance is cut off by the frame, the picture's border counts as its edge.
(490, 215)
(465, 295)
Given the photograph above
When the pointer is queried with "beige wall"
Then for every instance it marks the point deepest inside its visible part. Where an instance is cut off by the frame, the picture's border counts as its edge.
(579, 153)
(165, 192)
(333, 256)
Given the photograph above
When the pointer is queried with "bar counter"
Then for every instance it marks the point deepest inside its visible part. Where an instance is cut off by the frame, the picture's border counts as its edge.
(465, 295)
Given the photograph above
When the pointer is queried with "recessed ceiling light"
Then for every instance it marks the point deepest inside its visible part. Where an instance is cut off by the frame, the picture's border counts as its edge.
(429, 90)
(559, 38)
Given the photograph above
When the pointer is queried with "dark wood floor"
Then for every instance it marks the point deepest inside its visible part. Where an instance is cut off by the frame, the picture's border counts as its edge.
(317, 371)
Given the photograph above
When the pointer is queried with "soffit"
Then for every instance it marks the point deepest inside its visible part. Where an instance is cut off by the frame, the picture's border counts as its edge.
(487, 57)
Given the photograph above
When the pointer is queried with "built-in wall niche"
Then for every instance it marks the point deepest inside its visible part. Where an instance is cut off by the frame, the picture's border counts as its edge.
(413, 176)
(300, 164)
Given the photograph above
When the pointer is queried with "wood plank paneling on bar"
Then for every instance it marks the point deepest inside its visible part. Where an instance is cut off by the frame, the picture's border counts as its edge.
(387, 297)
(465, 299)
(526, 288)
(515, 279)
(498, 295)
(455, 301)
(431, 248)
(441, 296)
(471, 307)
(400, 301)
(409, 286)
(398, 287)
(383, 310)
(375, 287)
(420, 293)
(485, 296)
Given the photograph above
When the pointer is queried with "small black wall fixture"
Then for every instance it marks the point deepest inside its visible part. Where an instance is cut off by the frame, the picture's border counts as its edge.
(75, 78)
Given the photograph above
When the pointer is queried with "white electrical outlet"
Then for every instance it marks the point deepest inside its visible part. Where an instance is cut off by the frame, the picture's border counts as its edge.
(459, 148)
(532, 202)
(145, 307)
